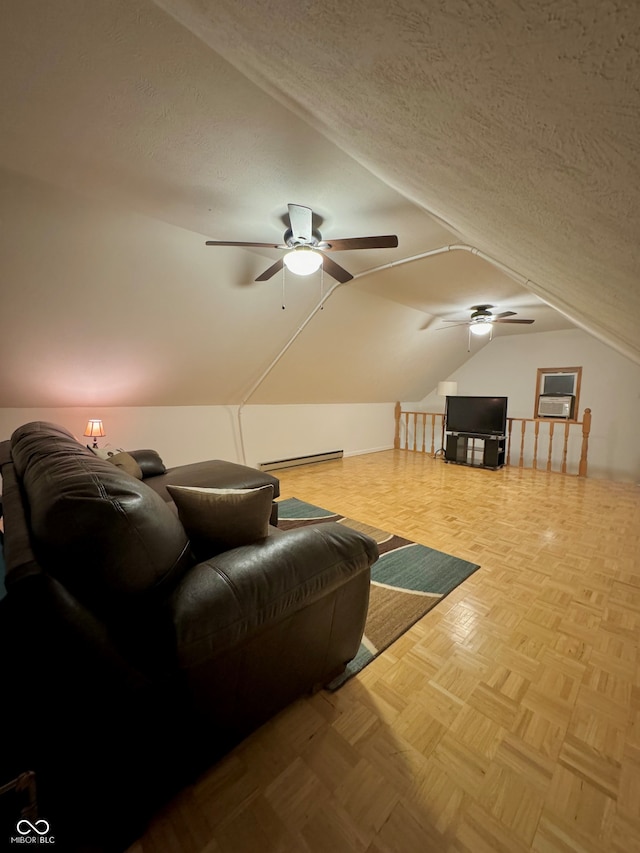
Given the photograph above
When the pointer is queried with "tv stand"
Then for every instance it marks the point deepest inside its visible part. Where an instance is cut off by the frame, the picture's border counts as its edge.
(475, 449)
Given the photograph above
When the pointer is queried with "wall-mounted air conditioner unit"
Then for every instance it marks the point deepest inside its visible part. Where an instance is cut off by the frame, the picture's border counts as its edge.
(554, 406)
(561, 383)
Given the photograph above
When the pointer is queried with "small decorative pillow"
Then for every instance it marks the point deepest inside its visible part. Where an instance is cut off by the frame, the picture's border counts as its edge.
(149, 461)
(217, 520)
(127, 463)
(105, 452)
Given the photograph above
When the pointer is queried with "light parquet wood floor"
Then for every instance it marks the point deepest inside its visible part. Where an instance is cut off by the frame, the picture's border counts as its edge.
(507, 719)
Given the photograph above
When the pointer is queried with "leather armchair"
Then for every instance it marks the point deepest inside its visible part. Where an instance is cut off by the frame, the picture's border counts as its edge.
(129, 665)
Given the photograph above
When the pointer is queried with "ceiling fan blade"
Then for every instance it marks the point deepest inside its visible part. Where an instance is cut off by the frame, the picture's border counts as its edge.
(301, 222)
(454, 322)
(335, 270)
(528, 322)
(387, 241)
(267, 274)
(504, 314)
(255, 245)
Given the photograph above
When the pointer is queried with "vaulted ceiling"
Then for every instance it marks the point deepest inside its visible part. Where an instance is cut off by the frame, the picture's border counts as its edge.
(133, 131)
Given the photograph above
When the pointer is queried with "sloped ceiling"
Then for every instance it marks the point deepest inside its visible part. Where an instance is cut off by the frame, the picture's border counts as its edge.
(132, 131)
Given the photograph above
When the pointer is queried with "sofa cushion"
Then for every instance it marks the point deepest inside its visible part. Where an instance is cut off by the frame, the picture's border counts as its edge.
(99, 531)
(127, 463)
(217, 520)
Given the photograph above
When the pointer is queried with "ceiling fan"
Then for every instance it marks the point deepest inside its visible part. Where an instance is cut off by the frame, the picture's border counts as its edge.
(306, 247)
(482, 320)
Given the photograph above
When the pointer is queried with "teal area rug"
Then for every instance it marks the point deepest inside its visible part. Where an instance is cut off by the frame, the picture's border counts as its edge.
(406, 582)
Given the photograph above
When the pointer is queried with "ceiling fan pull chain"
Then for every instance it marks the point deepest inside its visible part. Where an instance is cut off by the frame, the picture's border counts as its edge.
(321, 288)
(284, 273)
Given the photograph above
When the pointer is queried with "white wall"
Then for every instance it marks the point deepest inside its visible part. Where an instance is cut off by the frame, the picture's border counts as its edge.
(610, 388)
(183, 434)
(112, 307)
(279, 432)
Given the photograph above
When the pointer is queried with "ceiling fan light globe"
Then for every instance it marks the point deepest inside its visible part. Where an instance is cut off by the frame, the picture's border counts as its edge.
(482, 328)
(302, 261)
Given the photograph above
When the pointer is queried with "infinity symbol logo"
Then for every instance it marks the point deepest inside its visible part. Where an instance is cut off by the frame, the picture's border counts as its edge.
(40, 826)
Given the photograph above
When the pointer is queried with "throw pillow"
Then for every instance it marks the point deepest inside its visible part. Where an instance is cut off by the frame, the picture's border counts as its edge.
(127, 463)
(217, 520)
(105, 452)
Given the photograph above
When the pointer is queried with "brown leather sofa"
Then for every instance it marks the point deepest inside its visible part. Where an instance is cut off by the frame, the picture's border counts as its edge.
(128, 667)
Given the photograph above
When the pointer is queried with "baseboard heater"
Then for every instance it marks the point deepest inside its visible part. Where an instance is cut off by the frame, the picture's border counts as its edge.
(300, 460)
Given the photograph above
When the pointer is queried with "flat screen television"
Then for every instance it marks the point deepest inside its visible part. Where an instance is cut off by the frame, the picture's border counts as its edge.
(477, 415)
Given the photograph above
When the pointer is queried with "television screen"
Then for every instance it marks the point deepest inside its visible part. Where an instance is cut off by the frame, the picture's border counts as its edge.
(478, 415)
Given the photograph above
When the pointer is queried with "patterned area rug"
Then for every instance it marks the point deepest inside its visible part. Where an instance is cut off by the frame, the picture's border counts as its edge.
(406, 582)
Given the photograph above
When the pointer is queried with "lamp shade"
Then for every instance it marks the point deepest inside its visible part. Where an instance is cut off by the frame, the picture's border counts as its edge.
(480, 328)
(447, 388)
(302, 260)
(94, 428)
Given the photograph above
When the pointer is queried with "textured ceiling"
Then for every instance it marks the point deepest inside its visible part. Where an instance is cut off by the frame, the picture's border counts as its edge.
(133, 130)
(515, 122)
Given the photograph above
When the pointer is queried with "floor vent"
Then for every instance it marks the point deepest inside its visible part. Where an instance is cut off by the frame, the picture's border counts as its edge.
(300, 460)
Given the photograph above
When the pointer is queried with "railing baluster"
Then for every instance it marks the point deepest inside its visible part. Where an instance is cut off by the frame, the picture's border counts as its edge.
(534, 464)
(396, 436)
(424, 430)
(551, 426)
(565, 447)
(521, 462)
(586, 429)
(402, 431)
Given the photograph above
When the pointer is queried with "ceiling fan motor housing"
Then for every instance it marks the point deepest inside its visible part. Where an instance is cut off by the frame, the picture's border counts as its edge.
(292, 242)
(482, 314)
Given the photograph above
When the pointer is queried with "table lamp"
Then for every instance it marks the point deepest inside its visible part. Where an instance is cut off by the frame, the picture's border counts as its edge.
(94, 430)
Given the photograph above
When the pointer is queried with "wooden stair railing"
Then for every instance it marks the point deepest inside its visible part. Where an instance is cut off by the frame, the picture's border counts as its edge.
(417, 431)
(426, 421)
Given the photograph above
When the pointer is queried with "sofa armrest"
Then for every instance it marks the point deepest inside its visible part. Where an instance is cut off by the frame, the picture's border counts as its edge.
(232, 597)
(151, 465)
